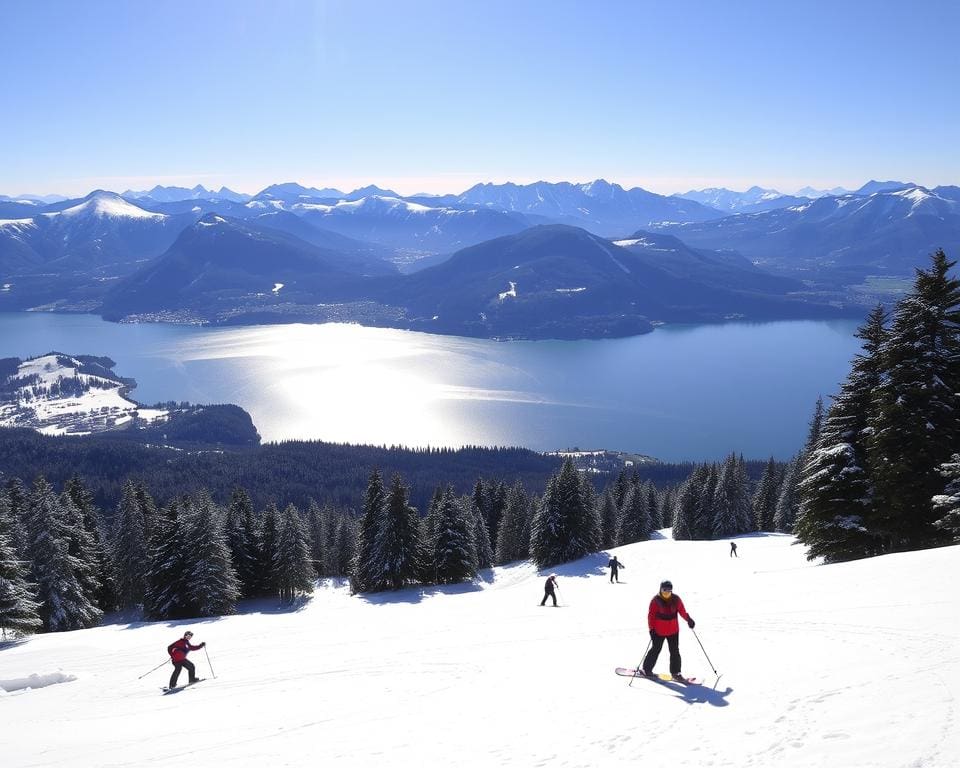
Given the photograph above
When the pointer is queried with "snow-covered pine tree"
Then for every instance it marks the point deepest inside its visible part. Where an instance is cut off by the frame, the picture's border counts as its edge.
(343, 546)
(706, 511)
(82, 549)
(167, 594)
(63, 603)
(455, 553)
(513, 538)
(788, 503)
(481, 536)
(212, 580)
(16, 497)
(610, 520)
(292, 565)
(813, 430)
(368, 560)
(242, 538)
(915, 420)
(566, 526)
(81, 496)
(653, 503)
(399, 545)
(686, 503)
(764, 502)
(148, 509)
(724, 522)
(428, 537)
(19, 612)
(947, 504)
(129, 549)
(316, 524)
(635, 519)
(742, 512)
(497, 493)
(268, 540)
(667, 504)
(835, 490)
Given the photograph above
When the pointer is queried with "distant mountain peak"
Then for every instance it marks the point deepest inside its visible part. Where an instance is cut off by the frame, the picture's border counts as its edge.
(104, 204)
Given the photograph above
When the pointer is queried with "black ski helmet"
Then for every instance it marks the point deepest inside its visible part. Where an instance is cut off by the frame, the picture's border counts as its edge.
(666, 584)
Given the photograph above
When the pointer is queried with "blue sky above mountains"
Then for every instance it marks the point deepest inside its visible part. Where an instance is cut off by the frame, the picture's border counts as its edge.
(435, 96)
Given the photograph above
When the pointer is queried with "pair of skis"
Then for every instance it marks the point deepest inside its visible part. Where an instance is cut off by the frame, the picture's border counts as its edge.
(176, 688)
(657, 678)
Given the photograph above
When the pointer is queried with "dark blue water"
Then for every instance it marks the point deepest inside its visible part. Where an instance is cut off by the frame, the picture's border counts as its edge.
(682, 392)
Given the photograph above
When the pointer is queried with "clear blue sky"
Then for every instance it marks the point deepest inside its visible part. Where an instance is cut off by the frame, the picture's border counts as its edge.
(435, 96)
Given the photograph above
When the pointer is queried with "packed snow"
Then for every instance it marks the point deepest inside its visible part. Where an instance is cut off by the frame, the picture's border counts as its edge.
(850, 665)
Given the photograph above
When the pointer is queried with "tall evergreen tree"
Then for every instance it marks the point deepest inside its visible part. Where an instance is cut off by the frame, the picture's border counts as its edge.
(513, 538)
(292, 565)
(399, 545)
(342, 550)
(835, 488)
(455, 553)
(764, 502)
(317, 524)
(243, 540)
(58, 576)
(269, 543)
(947, 504)
(130, 560)
(16, 497)
(687, 502)
(214, 587)
(610, 520)
(915, 422)
(481, 536)
(92, 521)
(566, 526)
(707, 501)
(83, 551)
(167, 594)
(368, 559)
(654, 505)
(19, 612)
(635, 521)
(788, 502)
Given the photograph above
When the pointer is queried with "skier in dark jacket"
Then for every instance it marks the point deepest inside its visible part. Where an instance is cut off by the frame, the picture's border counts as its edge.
(549, 590)
(615, 566)
(178, 651)
(662, 620)
(733, 549)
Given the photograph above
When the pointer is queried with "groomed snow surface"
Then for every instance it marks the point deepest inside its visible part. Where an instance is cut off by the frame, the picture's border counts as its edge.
(845, 665)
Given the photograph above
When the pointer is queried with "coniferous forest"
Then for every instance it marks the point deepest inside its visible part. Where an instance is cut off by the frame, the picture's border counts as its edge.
(105, 526)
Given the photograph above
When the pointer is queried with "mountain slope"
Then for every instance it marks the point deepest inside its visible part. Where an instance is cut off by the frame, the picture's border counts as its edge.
(888, 232)
(806, 681)
(556, 281)
(223, 265)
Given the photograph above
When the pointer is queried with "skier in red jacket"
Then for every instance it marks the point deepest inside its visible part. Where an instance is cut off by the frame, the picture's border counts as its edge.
(178, 656)
(662, 620)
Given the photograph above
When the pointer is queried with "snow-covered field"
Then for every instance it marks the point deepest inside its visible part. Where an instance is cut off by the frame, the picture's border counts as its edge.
(845, 665)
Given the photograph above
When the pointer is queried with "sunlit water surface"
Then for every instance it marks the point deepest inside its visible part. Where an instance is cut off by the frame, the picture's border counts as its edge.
(682, 392)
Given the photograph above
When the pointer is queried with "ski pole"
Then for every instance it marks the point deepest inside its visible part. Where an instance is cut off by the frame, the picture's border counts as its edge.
(214, 674)
(154, 669)
(705, 655)
(637, 670)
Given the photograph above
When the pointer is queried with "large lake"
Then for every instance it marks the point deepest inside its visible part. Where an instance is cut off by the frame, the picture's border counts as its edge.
(682, 392)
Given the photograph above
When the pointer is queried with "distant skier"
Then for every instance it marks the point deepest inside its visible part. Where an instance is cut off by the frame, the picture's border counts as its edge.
(662, 620)
(178, 656)
(733, 549)
(615, 566)
(550, 590)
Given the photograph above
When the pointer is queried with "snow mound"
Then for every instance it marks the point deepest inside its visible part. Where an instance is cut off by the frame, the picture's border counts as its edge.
(34, 681)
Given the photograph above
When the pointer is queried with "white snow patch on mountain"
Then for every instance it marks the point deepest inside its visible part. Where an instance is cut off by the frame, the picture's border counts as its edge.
(511, 293)
(108, 206)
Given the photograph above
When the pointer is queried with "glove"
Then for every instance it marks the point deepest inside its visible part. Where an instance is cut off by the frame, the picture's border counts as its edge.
(204, 643)
(691, 623)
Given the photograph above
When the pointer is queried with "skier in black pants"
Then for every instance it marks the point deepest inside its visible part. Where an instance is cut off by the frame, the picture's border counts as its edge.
(178, 651)
(733, 549)
(615, 566)
(662, 620)
(549, 590)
